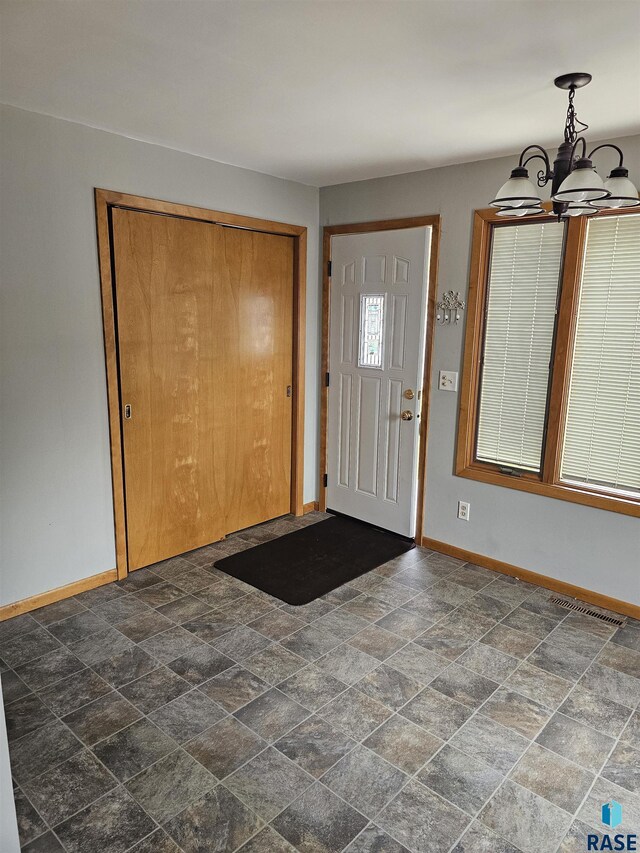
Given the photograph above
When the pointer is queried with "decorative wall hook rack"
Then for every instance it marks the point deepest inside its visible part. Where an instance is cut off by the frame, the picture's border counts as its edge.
(449, 308)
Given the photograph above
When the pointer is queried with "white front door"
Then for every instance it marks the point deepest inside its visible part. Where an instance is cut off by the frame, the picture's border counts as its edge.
(376, 358)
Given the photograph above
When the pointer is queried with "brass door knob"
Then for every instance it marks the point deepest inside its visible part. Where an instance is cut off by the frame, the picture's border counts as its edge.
(409, 394)
(407, 415)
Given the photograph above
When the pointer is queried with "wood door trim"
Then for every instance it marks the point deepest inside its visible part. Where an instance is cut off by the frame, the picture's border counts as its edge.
(105, 201)
(328, 232)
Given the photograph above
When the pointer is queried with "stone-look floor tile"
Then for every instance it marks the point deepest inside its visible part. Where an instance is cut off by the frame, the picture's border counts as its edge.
(437, 713)
(611, 683)
(576, 742)
(604, 791)
(171, 644)
(157, 842)
(78, 627)
(464, 686)
(518, 644)
(241, 643)
(19, 625)
(47, 843)
(590, 625)
(187, 716)
(26, 647)
(267, 841)
(225, 746)
(26, 715)
(41, 750)
(268, 783)
(144, 625)
(13, 687)
(347, 664)
(575, 840)
(621, 659)
(220, 595)
(30, 823)
(120, 609)
(403, 744)
(487, 740)
(487, 661)
(58, 611)
(101, 718)
(631, 733)
(110, 825)
(71, 693)
(310, 642)
(315, 745)
(201, 664)
(540, 604)
(69, 787)
(52, 667)
(272, 714)
(422, 821)
(194, 580)
(392, 593)
(366, 583)
(172, 566)
(487, 606)
(101, 645)
(573, 639)
(275, 663)
(249, 608)
(480, 839)
(234, 688)
(559, 661)
(417, 663)
(355, 714)
(511, 593)
(524, 819)
(470, 622)
(170, 785)
(531, 623)
(445, 641)
(389, 686)
(308, 612)
(377, 642)
(319, 822)
(430, 606)
(405, 624)
(159, 594)
(464, 781)
(133, 749)
(137, 580)
(596, 711)
(125, 666)
(217, 815)
(312, 688)
(276, 625)
(473, 577)
(92, 597)
(155, 689)
(365, 780)
(341, 624)
(552, 777)
(372, 839)
(516, 712)
(211, 626)
(543, 687)
(184, 609)
(629, 637)
(623, 767)
(451, 592)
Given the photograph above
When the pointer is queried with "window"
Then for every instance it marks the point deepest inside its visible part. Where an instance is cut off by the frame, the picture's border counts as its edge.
(371, 330)
(550, 399)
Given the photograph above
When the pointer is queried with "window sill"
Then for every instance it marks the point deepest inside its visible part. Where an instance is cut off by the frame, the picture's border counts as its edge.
(574, 494)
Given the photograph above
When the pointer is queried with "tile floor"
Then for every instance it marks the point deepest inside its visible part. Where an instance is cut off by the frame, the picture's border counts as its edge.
(428, 706)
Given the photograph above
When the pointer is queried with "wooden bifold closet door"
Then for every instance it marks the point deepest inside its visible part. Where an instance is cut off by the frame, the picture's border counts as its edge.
(205, 341)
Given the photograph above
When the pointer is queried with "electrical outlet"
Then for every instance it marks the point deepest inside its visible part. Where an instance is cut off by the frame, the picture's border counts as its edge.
(464, 509)
(448, 380)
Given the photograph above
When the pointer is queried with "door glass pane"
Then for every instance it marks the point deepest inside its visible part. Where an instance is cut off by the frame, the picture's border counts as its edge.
(371, 330)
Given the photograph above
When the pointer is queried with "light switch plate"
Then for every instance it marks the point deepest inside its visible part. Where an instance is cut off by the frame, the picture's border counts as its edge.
(448, 380)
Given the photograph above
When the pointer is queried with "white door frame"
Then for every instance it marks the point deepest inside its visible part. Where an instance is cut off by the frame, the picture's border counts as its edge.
(361, 228)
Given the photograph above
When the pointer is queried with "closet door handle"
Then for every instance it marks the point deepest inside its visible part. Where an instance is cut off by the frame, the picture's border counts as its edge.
(127, 411)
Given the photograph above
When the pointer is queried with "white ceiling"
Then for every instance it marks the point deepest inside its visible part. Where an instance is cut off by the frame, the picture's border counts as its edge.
(321, 91)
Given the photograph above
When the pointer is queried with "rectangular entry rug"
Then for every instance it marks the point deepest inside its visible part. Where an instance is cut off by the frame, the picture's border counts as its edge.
(301, 566)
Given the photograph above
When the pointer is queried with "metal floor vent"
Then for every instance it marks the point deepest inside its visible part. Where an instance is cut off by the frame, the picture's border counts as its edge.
(571, 605)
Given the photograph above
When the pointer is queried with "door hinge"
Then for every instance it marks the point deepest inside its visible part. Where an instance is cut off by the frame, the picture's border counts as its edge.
(325, 481)
(326, 379)
(329, 268)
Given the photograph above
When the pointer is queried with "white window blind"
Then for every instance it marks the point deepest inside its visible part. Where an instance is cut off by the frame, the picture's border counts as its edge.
(524, 276)
(602, 434)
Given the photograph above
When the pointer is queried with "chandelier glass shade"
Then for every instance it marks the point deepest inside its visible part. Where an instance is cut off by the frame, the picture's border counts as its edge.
(576, 187)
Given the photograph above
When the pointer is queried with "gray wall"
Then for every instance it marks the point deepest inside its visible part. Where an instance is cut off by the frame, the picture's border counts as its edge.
(591, 548)
(55, 478)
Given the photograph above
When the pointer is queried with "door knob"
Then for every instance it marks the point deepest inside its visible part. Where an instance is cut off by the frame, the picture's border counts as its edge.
(409, 394)
(407, 415)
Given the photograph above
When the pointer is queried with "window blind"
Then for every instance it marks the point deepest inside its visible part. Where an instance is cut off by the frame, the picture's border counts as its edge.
(524, 275)
(602, 433)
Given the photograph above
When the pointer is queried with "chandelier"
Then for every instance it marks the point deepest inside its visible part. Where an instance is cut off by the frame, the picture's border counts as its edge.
(576, 187)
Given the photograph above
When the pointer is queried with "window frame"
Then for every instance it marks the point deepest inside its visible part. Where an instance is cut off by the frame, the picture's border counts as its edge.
(548, 481)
